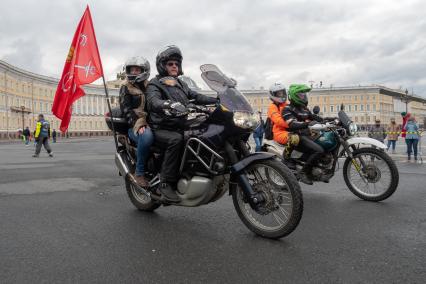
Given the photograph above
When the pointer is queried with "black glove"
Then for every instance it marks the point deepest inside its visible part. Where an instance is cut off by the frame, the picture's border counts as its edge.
(312, 123)
(175, 109)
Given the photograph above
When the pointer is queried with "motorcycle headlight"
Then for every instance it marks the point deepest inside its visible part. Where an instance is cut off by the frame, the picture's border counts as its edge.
(245, 120)
(353, 128)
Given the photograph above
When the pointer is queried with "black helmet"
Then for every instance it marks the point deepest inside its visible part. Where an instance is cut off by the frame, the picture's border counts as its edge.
(140, 62)
(170, 52)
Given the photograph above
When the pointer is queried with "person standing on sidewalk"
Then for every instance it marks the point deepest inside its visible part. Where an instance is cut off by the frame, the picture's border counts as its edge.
(27, 134)
(377, 132)
(54, 136)
(392, 134)
(42, 135)
(412, 137)
(258, 133)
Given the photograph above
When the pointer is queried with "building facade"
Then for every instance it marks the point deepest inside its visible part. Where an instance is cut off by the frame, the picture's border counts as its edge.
(24, 95)
(364, 105)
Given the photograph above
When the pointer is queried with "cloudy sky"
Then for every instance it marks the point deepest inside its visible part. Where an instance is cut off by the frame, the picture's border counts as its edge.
(341, 43)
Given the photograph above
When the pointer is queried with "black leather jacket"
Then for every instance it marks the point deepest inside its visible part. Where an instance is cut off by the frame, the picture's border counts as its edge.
(159, 91)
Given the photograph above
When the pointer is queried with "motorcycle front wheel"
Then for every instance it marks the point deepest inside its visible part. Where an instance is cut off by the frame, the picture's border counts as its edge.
(371, 174)
(282, 209)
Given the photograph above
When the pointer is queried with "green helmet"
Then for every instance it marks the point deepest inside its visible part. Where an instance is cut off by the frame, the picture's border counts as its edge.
(297, 94)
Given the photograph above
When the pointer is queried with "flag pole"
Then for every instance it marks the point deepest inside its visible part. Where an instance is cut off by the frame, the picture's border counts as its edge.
(110, 111)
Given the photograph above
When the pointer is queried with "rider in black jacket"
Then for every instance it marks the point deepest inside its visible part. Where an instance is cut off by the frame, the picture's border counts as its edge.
(298, 118)
(167, 98)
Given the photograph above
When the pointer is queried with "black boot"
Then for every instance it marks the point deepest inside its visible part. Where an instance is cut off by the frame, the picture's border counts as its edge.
(305, 178)
(169, 193)
(290, 163)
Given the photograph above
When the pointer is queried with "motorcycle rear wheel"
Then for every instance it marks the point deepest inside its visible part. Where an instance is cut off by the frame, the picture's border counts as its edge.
(282, 211)
(140, 200)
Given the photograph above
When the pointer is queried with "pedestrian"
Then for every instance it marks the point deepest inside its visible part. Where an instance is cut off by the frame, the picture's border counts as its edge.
(42, 135)
(258, 133)
(392, 134)
(54, 136)
(27, 135)
(412, 137)
(377, 132)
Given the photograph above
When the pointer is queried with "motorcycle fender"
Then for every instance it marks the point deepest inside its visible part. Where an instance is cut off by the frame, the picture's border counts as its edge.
(366, 140)
(246, 161)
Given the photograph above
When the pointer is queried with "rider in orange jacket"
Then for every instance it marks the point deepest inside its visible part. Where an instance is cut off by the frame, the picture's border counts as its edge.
(278, 96)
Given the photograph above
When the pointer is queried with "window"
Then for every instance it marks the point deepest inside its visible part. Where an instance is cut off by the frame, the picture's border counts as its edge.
(41, 107)
(356, 107)
(349, 107)
(331, 108)
(356, 118)
(356, 98)
(374, 107)
(324, 109)
(361, 107)
(368, 107)
(362, 97)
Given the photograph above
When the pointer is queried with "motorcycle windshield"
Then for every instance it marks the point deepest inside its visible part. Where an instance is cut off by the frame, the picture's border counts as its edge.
(344, 118)
(232, 99)
(215, 79)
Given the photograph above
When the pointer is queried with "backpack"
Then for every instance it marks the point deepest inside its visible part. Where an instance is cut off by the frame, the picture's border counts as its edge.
(269, 135)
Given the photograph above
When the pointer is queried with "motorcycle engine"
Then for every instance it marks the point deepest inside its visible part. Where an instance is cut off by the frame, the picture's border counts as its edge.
(325, 162)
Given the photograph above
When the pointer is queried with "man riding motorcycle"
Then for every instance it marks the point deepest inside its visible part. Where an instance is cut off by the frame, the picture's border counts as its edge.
(167, 98)
(132, 105)
(298, 117)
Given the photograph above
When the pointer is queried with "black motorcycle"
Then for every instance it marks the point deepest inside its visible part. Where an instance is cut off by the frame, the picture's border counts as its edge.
(216, 159)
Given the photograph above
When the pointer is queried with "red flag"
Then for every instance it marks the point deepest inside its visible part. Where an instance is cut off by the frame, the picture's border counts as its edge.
(82, 66)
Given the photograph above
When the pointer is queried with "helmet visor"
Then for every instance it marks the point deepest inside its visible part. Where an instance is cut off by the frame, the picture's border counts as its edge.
(303, 97)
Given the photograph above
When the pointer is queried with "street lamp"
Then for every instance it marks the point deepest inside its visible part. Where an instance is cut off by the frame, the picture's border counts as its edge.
(23, 118)
(404, 98)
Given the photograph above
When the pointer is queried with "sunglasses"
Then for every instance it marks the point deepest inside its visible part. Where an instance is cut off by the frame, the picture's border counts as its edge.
(170, 64)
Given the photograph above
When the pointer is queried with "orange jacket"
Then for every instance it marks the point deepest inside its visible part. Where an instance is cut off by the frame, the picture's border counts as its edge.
(280, 126)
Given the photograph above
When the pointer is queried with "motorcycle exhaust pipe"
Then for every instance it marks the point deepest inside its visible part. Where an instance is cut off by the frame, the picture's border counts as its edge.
(125, 172)
(121, 164)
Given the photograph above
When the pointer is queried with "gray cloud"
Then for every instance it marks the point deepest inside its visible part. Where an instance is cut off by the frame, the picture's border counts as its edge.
(256, 42)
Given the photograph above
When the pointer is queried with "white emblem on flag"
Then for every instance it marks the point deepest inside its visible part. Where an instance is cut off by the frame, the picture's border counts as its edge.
(88, 69)
(83, 39)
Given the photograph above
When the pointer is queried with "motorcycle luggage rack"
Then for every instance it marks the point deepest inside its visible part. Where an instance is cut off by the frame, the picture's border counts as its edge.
(195, 146)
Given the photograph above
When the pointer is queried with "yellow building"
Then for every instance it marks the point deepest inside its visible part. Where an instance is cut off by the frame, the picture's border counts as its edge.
(363, 104)
(24, 95)
(366, 104)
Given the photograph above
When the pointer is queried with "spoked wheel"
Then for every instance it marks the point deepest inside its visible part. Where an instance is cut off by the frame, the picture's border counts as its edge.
(140, 200)
(282, 209)
(371, 175)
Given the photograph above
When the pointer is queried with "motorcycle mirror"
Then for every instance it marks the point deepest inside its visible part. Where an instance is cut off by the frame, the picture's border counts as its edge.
(316, 110)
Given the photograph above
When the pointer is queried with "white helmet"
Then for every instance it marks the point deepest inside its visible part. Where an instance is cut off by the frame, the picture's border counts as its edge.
(141, 62)
(274, 89)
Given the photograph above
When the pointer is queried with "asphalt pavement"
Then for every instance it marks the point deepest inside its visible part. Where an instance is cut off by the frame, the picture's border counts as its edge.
(67, 219)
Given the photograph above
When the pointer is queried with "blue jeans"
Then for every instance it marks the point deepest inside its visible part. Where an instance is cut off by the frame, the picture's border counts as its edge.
(258, 141)
(144, 141)
(393, 143)
(412, 145)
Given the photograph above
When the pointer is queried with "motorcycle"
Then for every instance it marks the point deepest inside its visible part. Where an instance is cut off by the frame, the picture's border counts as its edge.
(216, 159)
(368, 171)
